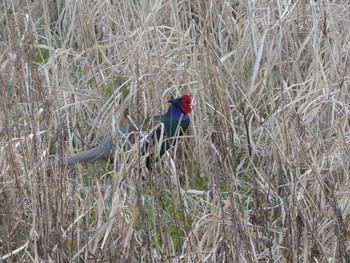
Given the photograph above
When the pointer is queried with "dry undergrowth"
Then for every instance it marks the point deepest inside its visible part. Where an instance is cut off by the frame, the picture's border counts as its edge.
(263, 174)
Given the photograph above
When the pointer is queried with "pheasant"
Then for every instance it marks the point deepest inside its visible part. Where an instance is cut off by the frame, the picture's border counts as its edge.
(173, 123)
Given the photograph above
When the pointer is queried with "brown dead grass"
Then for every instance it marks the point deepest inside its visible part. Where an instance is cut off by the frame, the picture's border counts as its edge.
(263, 175)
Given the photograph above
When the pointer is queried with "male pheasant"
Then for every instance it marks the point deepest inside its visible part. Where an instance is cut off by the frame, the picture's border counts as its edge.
(175, 122)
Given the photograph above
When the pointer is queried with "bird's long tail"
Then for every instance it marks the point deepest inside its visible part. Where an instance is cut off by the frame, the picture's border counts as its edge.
(101, 151)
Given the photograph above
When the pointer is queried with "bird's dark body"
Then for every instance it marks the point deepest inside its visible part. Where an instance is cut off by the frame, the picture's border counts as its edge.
(175, 122)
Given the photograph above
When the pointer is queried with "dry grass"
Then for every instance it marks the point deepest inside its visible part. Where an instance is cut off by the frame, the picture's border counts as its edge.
(264, 174)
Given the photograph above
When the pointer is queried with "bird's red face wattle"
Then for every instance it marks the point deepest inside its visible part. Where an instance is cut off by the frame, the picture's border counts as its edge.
(185, 104)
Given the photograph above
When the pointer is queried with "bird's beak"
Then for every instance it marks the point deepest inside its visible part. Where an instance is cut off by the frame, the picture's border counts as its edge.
(192, 105)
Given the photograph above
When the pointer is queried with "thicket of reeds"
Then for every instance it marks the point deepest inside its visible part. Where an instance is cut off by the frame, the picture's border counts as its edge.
(263, 173)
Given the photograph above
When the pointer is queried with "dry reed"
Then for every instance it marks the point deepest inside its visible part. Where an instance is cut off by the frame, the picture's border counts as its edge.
(263, 173)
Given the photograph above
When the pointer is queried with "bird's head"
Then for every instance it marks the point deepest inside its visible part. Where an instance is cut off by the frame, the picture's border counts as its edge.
(184, 103)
